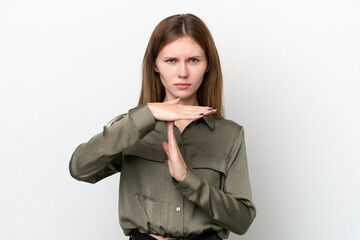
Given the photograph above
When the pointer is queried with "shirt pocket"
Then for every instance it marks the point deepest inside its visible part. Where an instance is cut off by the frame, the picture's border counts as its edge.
(143, 172)
(211, 167)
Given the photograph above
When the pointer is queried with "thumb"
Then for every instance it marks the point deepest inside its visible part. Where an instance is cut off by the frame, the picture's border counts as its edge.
(166, 148)
(175, 101)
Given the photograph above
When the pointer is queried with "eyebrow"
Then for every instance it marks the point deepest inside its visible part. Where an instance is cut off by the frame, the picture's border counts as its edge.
(186, 58)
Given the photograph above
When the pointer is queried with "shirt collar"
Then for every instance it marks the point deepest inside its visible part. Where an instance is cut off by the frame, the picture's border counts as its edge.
(210, 121)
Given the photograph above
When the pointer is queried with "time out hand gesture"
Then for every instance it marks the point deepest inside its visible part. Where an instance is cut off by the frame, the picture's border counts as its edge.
(177, 166)
(172, 111)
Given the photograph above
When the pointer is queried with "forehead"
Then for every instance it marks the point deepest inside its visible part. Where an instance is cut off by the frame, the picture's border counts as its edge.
(184, 46)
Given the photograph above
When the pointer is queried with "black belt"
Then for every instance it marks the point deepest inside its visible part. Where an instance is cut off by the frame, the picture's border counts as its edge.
(212, 235)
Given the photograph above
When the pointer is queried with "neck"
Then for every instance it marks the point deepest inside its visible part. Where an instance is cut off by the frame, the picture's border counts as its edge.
(192, 101)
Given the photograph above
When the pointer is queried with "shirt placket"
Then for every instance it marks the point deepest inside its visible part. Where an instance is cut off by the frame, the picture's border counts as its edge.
(185, 153)
(178, 204)
(179, 208)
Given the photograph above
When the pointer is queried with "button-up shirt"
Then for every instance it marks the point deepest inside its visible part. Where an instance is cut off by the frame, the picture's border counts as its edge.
(214, 195)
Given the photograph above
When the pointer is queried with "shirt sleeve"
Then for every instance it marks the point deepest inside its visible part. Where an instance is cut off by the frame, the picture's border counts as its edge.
(232, 208)
(101, 155)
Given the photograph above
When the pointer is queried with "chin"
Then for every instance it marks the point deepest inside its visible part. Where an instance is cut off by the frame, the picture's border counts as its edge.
(183, 95)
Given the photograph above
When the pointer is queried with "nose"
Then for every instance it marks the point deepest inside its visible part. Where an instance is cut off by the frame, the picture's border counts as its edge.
(183, 71)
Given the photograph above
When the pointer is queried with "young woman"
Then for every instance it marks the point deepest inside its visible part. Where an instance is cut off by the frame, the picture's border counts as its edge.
(183, 167)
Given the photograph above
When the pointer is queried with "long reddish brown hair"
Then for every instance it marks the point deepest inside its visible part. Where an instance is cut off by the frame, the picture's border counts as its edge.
(167, 31)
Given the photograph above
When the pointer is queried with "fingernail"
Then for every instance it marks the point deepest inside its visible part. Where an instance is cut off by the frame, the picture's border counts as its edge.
(201, 114)
(210, 108)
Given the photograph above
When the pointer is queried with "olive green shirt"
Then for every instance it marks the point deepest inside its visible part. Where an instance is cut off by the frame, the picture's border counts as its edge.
(215, 194)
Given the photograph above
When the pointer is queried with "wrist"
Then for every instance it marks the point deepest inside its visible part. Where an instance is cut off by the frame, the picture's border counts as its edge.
(152, 107)
(182, 177)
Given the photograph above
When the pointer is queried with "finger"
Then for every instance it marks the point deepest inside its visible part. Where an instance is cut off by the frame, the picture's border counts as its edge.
(207, 110)
(166, 148)
(193, 108)
(170, 129)
(175, 101)
(199, 115)
(191, 111)
(210, 111)
(171, 136)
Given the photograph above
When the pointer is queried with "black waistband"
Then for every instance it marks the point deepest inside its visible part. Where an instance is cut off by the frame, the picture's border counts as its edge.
(212, 235)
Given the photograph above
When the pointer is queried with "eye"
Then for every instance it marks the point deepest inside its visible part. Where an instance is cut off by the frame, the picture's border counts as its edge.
(193, 60)
(171, 60)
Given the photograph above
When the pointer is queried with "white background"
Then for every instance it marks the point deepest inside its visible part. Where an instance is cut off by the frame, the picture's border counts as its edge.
(291, 72)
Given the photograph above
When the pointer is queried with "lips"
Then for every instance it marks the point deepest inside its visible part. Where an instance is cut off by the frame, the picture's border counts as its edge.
(182, 85)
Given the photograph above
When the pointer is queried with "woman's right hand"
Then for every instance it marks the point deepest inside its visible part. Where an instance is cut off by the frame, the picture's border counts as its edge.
(172, 111)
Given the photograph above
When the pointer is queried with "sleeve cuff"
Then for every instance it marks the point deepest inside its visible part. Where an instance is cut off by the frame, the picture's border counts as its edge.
(189, 185)
(143, 119)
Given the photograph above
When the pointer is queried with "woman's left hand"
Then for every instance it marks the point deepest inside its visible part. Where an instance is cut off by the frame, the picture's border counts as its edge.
(176, 163)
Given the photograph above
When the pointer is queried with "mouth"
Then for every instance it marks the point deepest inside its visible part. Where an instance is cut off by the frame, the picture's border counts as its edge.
(182, 85)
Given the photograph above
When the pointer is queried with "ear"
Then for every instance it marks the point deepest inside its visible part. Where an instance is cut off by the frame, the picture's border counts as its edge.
(207, 68)
(156, 68)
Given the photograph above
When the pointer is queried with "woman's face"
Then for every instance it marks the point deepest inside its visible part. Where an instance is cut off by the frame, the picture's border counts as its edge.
(181, 65)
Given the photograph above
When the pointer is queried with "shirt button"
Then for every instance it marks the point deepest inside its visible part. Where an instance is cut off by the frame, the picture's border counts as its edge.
(178, 209)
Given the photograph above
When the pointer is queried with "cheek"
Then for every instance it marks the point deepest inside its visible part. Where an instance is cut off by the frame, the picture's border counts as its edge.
(166, 74)
(199, 73)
